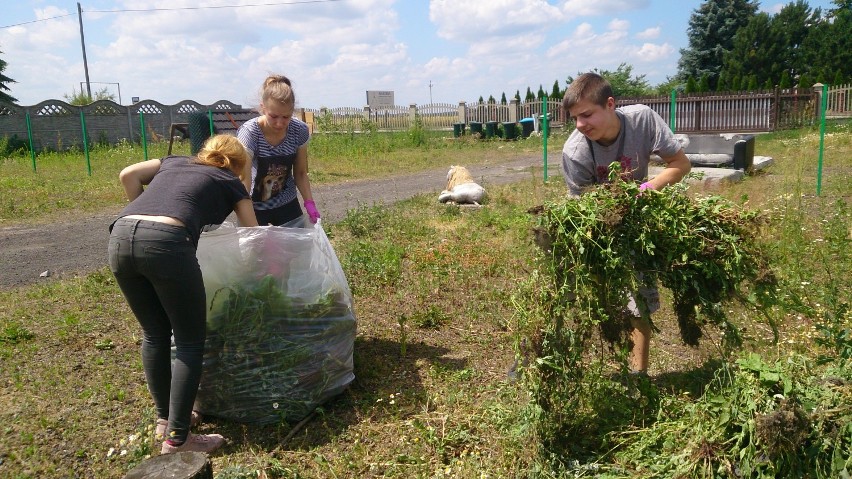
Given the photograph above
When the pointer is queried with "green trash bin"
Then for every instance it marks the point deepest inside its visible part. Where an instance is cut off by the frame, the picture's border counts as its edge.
(527, 127)
(490, 129)
(458, 129)
(510, 130)
(199, 131)
(476, 128)
(541, 123)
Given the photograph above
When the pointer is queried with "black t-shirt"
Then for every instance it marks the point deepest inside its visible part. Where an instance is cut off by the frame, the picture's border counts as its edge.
(196, 194)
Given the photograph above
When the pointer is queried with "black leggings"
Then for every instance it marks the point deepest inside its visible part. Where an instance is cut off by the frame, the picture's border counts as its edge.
(278, 216)
(158, 273)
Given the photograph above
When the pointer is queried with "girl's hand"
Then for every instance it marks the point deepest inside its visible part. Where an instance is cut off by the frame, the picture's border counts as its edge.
(311, 208)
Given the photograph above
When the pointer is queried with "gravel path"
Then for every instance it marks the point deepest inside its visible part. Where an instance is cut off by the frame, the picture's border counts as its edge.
(31, 254)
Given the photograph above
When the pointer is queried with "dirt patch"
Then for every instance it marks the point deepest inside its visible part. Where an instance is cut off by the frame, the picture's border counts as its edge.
(68, 247)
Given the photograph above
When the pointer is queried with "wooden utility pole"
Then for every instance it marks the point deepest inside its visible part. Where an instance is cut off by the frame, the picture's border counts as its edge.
(83, 42)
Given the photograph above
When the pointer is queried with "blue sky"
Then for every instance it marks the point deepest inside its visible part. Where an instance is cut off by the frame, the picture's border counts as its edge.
(335, 50)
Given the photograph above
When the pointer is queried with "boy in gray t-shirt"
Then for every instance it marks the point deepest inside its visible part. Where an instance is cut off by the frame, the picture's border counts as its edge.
(628, 135)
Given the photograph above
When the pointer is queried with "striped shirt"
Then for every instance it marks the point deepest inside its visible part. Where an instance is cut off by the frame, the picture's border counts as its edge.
(272, 183)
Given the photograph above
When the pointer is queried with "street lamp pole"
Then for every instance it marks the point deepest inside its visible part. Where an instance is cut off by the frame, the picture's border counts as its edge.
(83, 42)
(430, 92)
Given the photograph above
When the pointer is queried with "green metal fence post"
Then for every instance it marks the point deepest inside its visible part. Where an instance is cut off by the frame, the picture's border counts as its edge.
(672, 109)
(85, 142)
(30, 137)
(823, 101)
(144, 139)
(544, 131)
(210, 117)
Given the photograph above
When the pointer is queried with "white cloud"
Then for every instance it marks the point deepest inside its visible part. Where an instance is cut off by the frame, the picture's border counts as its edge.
(581, 8)
(772, 9)
(650, 52)
(332, 51)
(585, 49)
(617, 24)
(649, 34)
(475, 21)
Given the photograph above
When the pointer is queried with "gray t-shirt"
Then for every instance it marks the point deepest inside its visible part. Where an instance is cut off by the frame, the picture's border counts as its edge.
(643, 132)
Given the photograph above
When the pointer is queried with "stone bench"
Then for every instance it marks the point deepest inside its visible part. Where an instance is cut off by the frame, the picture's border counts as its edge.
(719, 151)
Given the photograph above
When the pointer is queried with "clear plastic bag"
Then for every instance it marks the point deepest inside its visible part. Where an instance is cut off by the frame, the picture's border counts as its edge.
(280, 323)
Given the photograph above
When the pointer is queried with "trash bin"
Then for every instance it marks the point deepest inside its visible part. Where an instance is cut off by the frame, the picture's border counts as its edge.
(527, 126)
(490, 129)
(476, 128)
(541, 122)
(510, 130)
(458, 129)
(199, 131)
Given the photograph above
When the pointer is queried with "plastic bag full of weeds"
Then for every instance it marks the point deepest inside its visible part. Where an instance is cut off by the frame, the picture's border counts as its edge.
(280, 323)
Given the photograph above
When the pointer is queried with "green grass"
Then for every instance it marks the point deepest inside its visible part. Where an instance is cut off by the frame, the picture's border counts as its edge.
(436, 297)
(61, 182)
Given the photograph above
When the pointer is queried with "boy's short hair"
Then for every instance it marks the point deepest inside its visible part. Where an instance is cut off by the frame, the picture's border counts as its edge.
(588, 86)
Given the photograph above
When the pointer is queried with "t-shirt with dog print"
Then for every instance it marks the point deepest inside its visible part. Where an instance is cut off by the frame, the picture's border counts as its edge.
(272, 183)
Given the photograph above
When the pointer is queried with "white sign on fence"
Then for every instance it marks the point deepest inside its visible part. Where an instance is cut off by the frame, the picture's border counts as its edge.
(377, 100)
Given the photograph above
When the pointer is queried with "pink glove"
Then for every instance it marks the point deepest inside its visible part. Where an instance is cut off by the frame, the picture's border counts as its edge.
(311, 208)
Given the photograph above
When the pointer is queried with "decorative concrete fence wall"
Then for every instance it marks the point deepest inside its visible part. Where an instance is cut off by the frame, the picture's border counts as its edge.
(57, 125)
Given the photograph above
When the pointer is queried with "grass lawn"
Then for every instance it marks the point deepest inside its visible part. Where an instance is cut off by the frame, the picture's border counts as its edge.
(436, 291)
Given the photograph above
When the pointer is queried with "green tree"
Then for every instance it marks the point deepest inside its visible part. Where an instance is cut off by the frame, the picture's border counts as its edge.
(790, 28)
(3, 81)
(752, 83)
(503, 99)
(529, 96)
(623, 83)
(518, 95)
(736, 83)
(711, 32)
(752, 50)
(722, 84)
(82, 98)
(769, 46)
(805, 81)
(556, 93)
(828, 46)
(665, 88)
(691, 85)
(704, 85)
(786, 81)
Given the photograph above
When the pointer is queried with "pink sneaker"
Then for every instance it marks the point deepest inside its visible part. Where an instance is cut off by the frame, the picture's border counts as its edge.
(205, 443)
(163, 425)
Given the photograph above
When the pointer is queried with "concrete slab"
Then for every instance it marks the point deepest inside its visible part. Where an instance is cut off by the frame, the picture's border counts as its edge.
(717, 176)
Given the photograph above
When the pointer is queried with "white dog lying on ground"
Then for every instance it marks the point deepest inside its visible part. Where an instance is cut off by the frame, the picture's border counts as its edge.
(461, 188)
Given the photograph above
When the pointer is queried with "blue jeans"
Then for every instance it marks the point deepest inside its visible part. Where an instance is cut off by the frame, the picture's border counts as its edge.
(158, 273)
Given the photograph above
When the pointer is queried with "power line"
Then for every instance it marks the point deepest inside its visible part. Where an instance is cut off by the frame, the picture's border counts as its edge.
(39, 20)
(212, 7)
(143, 10)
